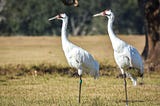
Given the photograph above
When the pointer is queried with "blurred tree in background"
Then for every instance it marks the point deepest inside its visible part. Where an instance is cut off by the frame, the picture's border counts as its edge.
(30, 17)
(2, 18)
(2, 4)
(128, 16)
(151, 12)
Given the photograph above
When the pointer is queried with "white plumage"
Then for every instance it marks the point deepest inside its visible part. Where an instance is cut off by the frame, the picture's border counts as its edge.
(126, 56)
(76, 56)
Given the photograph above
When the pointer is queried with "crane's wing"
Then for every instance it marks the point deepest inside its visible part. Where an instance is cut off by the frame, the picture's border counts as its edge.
(130, 53)
(129, 56)
(130, 61)
(81, 59)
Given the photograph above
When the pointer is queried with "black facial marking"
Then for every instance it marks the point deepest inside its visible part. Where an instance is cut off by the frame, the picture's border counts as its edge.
(108, 14)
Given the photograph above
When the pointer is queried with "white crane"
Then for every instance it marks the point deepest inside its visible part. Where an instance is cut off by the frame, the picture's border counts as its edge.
(126, 56)
(76, 56)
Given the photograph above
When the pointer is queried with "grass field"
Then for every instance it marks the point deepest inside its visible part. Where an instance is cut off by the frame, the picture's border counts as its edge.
(34, 50)
(62, 90)
(56, 90)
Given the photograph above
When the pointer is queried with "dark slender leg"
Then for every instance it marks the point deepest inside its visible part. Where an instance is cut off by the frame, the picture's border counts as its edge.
(125, 85)
(80, 84)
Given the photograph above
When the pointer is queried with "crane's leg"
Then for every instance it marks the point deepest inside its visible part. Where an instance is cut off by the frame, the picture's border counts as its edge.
(80, 84)
(141, 83)
(125, 85)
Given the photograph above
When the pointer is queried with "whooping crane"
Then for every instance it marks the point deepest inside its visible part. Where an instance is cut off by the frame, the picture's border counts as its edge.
(126, 56)
(76, 56)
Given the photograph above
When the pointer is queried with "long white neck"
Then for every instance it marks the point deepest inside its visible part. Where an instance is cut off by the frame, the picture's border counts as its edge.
(64, 37)
(113, 38)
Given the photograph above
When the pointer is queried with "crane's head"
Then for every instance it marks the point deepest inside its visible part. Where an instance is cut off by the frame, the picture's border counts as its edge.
(107, 13)
(60, 16)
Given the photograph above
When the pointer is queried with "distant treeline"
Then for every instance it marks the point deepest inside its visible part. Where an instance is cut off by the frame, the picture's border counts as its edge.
(30, 17)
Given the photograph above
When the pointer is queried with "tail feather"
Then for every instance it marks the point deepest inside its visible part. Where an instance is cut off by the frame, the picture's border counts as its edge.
(133, 79)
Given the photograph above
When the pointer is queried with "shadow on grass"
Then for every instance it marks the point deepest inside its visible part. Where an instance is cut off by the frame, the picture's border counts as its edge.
(47, 68)
(130, 101)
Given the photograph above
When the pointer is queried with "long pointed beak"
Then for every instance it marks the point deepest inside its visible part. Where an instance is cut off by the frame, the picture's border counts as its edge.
(98, 14)
(52, 18)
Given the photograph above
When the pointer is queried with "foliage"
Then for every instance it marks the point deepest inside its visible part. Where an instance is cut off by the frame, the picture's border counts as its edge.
(31, 17)
(128, 18)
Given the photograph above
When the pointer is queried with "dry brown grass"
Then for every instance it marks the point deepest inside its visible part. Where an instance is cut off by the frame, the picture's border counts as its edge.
(35, 50)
